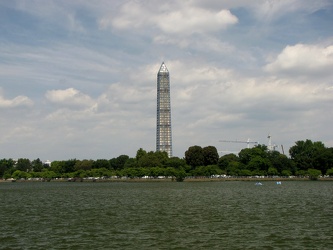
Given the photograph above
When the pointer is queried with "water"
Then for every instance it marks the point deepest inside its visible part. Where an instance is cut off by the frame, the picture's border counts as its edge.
(166, 215)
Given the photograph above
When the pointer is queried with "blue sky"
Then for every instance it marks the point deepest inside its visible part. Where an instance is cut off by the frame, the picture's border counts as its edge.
(78, 78)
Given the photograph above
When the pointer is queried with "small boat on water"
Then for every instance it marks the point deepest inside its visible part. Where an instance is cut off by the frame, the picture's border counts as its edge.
(258, 183)
(278, 183)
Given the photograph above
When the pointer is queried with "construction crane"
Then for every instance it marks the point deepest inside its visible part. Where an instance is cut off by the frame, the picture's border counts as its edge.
(282, 149)
(248, 142)
(271, 147)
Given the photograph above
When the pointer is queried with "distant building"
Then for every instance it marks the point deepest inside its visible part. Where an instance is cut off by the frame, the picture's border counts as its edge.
(47, 162)
(163, 127)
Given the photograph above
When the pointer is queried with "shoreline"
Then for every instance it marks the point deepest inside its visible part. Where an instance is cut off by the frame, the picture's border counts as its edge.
(198, 179)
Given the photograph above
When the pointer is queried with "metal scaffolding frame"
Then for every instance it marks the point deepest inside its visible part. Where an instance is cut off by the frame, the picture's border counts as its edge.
(163, 128)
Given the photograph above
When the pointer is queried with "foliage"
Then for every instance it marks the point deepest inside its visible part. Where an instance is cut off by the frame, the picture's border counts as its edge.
(247, 154)
(101, 163)
(37, 165)
(314, 173)
(83, 165)
(5, 166)
(140, 153)
(197, 156)
(286, 173)
(175, 162)
(308, 154)
(272, 171)
(206, 171)
(210, 155)
(194, 156)
(280, 162)
(329, 172)
(134, 172)
(259, 164)
(119, 162)
(131, 163)
(180, 175)
(23, 164)
(307, 158)
(18, 174)
(152, 159)
(224, 161)
(155, 172)
(69, 166)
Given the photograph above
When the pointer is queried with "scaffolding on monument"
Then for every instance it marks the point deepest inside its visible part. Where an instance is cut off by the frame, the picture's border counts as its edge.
(163, 126)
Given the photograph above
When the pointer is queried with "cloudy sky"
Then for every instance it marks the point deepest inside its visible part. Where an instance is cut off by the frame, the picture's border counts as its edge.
(78, 78)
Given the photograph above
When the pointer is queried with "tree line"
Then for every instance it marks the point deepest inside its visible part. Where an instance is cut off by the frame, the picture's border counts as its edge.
(307, 158)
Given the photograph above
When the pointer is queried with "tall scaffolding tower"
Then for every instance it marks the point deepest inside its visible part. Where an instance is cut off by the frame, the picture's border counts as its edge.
(163, 128)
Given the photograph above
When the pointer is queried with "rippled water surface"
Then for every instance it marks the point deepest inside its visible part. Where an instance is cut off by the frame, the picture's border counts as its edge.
(166, 215)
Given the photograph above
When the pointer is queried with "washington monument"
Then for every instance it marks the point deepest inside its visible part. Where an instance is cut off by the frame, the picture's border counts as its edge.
(163, 125)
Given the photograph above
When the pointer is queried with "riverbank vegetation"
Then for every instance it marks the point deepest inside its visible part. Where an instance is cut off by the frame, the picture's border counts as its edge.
(307, 159)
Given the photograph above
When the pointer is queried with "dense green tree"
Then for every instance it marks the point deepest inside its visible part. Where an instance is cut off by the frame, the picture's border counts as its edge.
(81, 173)
(18, 174)
(140, 153)
(226, 159)
(301, 173)
(329, 172)
(6, 165)
(206, 170)
(169, 171)
(304, 153)
(307, 158)
(175, 162)
(245, 172)
(101, 163)
(141, 172)
(57, 167)
(48, 174)
(8, 173)
(210, 155)
(23, 164)
(234, 168)
(156, 171)
(152, 159)
(131, 163)
(119, 162)
(259, 165)
(134, 172)
(100, 172)
(272, 171)
(69, 166)
(194, 156)
(162, 156)
(323, 160)
(286, 173)
(180, 175)
(280, 162)
(37, 165)
(83, 165)
(63, 167)
(247, 154)
(314, 173)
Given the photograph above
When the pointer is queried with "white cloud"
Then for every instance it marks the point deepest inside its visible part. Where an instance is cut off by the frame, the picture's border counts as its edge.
(94, 91)
(181, 19)
(69, 96)
(271, 9)
(18, 101)
(59, 12)
(303, 60)
(195, 20)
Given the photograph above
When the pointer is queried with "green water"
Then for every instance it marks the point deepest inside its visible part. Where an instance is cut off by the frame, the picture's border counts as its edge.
(166, 215)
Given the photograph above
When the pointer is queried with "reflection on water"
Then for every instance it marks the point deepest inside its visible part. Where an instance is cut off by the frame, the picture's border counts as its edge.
(166, 215)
